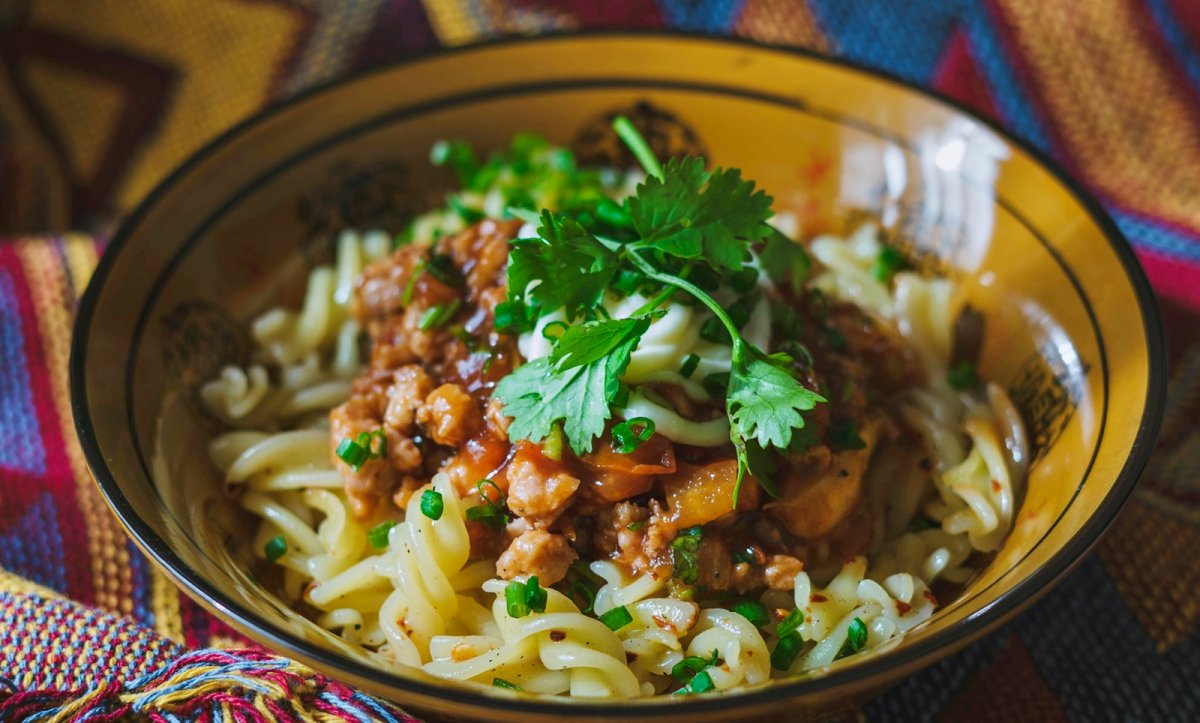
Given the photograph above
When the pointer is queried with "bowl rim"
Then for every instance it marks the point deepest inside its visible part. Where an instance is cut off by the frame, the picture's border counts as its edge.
(873, 669)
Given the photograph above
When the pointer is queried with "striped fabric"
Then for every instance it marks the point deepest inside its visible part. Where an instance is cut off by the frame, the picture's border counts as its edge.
(99, 99)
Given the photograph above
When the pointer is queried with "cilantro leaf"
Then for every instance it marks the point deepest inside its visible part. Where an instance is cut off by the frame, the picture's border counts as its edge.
(692, 214)
(572, 267)
(536, 397)
(784, 260)
(765, 402)
(590, 342)
(575, 384)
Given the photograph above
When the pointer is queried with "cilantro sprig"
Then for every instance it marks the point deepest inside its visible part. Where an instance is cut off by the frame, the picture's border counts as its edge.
(693, 227)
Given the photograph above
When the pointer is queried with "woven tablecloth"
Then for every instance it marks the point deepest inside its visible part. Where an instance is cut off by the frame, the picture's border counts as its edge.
(99, 99)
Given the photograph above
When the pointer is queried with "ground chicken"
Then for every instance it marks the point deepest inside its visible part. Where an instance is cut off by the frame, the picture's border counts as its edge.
(450, 416)
(537, 552)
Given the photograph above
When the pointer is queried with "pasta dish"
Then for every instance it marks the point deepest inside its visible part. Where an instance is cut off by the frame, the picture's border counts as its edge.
(605, 433)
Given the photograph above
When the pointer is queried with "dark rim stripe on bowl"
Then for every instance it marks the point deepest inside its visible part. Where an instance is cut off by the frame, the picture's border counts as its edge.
(972, 627)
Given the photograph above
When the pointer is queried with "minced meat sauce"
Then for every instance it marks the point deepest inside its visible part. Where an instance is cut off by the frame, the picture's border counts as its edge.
(430, 391)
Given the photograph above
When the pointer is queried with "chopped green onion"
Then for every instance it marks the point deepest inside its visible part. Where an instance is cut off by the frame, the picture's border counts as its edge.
(963, 376)
(352, 453)
(625, 440)
(553, 330)
(502, 683)
(552, 445)
(716, 385)
(378, 536)
(636, 526)
(586, 593)
(535, 595)
(688, 368)
(887, 263)
(683, 554)
(617, 618)
(442, 268)
(514, 599)
(511, 317)
(799, 353)
(487, 498)
(845, 436)
(437, 316)
(488, 515)
(411, 285)
(275, 548)
(713, 329)
(702, 682)
(367, 446)
(468, 215)
(432, 504)
(637, 144)
(687, 668)
(753, 611)
(786, 651)
(458, 155)
(522, 598)
(856, 639)
(790, 623)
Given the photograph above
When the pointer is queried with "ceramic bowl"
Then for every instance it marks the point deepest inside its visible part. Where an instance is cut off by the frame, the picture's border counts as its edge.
(1071, 328)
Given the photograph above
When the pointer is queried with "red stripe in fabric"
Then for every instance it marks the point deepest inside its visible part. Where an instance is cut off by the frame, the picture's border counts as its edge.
(1172, 278)
(58, 479)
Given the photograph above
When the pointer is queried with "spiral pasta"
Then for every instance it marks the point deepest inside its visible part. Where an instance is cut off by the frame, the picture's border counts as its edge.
(402, 589)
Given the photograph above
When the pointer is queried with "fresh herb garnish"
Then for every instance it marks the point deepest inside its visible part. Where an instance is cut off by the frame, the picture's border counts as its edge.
(617, 618)
(753, 611)
(887, 263)
(275, 548)
(963, 377)
(856, 639)
(692, 672)
(492, 513)
(688, 368)
(502, 683)
(790, 623)
(432, 504)
(631, 434)
(522, 598)
(683, 554)
(378, 536)
(360, 450)
(786, 650)
(437, 316)
(694, 228)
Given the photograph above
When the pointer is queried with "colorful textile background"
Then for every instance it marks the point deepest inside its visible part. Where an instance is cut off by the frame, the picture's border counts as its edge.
(99, 99)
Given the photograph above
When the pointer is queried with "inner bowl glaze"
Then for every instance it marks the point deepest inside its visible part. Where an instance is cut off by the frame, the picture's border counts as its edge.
(1071, 329)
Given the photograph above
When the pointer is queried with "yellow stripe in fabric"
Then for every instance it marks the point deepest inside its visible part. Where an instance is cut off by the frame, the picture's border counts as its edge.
(106, 549)
(164, 603)
(455, 21)
(782, 22)
(80, 252)
(20, 586)
(1113, 101)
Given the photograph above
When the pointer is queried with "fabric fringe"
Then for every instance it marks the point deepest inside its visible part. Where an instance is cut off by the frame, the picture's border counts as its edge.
(207, 685)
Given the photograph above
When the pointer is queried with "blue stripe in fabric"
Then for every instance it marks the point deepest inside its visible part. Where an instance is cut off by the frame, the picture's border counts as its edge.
(20, 434)
(1150, 235)
(1178, 41)
(705, 16)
